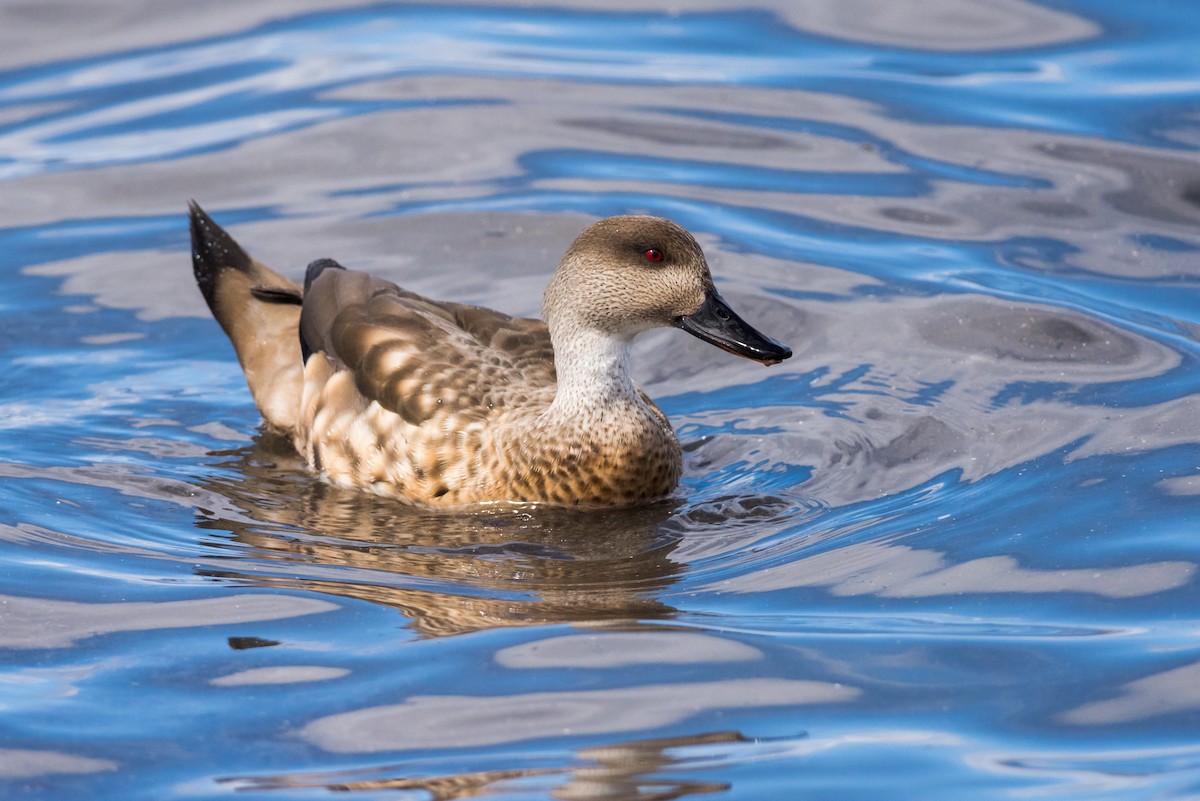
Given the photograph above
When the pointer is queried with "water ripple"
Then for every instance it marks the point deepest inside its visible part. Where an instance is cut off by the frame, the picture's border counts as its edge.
(948, 546)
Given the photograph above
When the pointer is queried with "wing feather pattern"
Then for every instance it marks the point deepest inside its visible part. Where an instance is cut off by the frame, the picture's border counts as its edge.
(418, 357)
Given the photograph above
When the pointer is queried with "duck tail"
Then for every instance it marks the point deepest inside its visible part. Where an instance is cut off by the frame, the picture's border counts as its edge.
(260, 312)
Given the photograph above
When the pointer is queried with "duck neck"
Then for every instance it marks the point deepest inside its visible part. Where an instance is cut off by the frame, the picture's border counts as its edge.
(593, 372)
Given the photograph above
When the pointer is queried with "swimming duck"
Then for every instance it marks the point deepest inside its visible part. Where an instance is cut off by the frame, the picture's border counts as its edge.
(446, 404)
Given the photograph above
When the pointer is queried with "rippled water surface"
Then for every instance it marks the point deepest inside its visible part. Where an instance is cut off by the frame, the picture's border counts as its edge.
(949, 550)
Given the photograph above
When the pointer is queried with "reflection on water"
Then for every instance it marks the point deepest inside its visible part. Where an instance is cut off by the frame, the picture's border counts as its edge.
(625, 770)
(899, 571)
(1164, 693)
(37, 623)
(448, 573)
(1104, 772)
(24, 763)
(431, 721)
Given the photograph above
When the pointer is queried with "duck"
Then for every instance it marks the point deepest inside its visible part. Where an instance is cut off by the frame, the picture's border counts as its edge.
(445, 404)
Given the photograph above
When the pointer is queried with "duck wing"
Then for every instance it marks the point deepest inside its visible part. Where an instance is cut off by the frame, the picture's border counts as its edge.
(419, 357)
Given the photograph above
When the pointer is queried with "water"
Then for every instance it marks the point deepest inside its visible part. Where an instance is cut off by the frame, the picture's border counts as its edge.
(947, 551)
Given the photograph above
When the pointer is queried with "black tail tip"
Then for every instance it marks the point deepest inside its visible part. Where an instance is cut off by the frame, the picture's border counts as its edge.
(213, 250)
(198, 218)
(206, 234)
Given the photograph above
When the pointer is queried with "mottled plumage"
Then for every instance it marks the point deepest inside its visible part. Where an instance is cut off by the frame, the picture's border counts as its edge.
(448, 404)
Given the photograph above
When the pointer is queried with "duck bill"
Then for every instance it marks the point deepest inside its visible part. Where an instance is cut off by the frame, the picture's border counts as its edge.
(716, 323)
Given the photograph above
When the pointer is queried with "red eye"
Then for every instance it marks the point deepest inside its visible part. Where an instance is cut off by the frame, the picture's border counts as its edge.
(653, 255)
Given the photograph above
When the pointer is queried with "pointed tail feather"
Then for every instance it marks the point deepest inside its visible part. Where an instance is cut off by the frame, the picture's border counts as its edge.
(259, 311)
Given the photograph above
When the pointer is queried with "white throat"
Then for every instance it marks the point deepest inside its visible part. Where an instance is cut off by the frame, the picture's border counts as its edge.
(593, 371)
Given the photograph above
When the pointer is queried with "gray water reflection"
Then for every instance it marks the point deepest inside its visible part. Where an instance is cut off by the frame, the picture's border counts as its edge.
(1091, 195)
(1170, 692)
(900, 571)
(279, 674)
(32, 32)
(466, 721)
(1144, 184)
(43, 623)
(28, 763)
(620, 770)
(906, 389)
(945, 25)
(622, 649)
(1114, 772)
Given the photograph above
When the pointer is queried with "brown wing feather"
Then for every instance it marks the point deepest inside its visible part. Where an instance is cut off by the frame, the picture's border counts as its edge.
(525, 342)
(418, 357)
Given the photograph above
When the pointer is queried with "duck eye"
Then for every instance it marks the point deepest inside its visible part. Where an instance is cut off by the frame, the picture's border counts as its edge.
(653, 255)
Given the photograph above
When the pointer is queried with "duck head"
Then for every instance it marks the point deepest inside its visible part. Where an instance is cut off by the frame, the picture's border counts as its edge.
(625, 275)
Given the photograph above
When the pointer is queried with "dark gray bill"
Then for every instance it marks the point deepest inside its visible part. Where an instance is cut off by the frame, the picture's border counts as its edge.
(715, 322)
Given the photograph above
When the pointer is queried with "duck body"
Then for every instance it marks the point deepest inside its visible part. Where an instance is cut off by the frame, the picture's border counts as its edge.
(447, 404)
(443, 403)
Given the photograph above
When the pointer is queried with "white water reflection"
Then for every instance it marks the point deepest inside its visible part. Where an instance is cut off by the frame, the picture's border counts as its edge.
(279, 674)
(901, 571)
(1169, 692)
(43, 623)
(1098, 774)
(595, 651)
(28, 763)
(946, 25)
(464, 721)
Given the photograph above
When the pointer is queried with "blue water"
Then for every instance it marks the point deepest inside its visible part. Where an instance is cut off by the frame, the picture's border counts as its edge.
(949, 550)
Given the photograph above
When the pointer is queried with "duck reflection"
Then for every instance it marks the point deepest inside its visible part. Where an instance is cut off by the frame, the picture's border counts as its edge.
(629, 770)
(449, 573)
